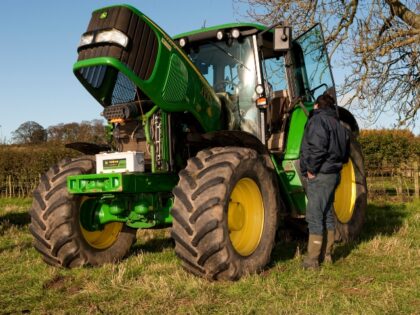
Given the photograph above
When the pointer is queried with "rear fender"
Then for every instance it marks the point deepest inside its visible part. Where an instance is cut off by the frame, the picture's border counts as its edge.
(236, 138)
(348, 118)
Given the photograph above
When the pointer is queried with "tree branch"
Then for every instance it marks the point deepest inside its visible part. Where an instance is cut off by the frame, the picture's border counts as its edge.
(400, 10)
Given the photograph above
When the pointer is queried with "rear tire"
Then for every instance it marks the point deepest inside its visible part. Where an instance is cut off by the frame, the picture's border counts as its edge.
(55, 222)
(349, 225)
(225, 213)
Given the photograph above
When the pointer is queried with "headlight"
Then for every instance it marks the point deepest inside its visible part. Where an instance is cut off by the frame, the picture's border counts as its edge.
(259, 89)
(220, 35)
(182, 42)
(235, 33)
(86, 39)
(112, 36)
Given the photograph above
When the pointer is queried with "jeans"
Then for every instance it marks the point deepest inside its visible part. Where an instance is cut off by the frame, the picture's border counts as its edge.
(320, 193)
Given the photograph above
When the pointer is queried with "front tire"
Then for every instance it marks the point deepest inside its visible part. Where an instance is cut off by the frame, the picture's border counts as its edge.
(55, 222)
(225, 213)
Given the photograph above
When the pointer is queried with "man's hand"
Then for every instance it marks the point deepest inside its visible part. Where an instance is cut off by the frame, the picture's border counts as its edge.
(310, 175)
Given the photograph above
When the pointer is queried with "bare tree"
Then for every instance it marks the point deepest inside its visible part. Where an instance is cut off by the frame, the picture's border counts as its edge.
(86, 131)
(29, 132)
(376, 41)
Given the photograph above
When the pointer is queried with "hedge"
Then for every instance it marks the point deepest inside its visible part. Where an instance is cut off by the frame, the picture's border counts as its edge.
(21, 165)
(389, 147)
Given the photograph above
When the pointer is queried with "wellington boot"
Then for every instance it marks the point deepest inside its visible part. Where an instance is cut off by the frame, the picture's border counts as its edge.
(311, 260)
(329, 247)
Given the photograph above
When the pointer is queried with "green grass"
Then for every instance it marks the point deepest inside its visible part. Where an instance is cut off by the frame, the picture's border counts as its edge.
(378, 274)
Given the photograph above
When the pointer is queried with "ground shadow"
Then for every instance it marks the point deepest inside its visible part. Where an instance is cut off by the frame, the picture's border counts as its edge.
(289, 243)
(381, 219)
(152, 241)
(11, 220)
(17, 219)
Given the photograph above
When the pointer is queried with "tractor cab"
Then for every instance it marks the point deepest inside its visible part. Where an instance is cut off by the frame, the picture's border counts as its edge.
(260, 74)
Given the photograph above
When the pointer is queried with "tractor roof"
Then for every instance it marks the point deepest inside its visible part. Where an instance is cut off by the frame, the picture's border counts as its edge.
(210, 32)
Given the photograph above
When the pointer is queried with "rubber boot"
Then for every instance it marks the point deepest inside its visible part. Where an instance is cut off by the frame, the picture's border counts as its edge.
(329, 247)
(311, 260)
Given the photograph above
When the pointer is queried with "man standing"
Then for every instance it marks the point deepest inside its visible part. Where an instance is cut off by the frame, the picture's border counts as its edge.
(325, 147)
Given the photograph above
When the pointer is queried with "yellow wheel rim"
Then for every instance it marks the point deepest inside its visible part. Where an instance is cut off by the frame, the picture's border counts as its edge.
(245, 216)
(104, 238)
(345, 195)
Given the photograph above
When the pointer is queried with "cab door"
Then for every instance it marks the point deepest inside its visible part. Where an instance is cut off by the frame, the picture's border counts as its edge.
(314, 69)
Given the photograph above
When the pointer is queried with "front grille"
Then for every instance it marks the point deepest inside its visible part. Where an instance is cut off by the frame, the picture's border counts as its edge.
(124, 90)
(94, 75)
(176, 83)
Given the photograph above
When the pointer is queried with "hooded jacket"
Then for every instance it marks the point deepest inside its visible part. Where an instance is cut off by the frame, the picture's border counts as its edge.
(325, 145)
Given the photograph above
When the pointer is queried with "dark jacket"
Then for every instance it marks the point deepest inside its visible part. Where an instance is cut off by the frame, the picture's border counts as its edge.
(325, 145)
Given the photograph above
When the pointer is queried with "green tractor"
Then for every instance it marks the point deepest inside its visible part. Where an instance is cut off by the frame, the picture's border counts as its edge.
(204, 134)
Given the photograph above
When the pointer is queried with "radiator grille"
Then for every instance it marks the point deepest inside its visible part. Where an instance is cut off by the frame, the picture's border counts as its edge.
(124, 90)
(176, 83)
(94, 75)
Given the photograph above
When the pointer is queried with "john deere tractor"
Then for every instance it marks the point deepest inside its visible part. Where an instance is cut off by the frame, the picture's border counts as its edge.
(204, 134)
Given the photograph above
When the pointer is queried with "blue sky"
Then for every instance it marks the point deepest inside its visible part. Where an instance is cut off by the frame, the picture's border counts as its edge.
(38, 45)
(38, 48)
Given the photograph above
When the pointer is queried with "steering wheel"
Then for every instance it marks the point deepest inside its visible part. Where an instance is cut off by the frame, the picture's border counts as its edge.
(311, 92)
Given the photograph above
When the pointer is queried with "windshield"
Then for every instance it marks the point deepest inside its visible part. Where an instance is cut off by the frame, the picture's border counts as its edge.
(230, 69)
(227, 68)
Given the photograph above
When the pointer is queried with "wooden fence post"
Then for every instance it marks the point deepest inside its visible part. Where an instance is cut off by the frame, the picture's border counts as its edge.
(10, 186)
(416, 178)
(399, 184)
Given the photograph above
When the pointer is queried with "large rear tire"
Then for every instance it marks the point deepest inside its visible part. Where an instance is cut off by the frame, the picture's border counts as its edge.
(225, 213)
(351, 196)
(55, 222)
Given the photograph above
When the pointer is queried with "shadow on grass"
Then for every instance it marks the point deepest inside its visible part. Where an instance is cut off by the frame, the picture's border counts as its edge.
(381, 219)
(154, 245)
(289, 243)
(17, 219)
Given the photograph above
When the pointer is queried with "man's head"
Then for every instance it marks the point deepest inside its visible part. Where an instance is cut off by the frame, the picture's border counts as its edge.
(324, 101)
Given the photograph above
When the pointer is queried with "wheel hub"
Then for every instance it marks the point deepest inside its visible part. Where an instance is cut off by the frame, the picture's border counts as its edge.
(236, 216)
(245, 216)
(100, 238)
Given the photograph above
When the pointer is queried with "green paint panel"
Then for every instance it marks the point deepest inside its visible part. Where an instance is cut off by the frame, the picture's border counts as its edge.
(294, 186)
(286, 167)
(176, 83)
(121, 183)
(141, 211)
(291, 185)
(295, 132)
(173, 83)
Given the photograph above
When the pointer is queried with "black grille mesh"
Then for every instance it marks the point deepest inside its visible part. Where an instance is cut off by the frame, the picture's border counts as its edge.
(124, 90)
(94, 75)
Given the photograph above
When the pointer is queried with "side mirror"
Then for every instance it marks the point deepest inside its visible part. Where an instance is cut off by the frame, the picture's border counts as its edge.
(282, 38)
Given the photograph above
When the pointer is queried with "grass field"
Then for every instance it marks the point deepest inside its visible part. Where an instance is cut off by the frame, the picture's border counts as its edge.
(379, 274)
